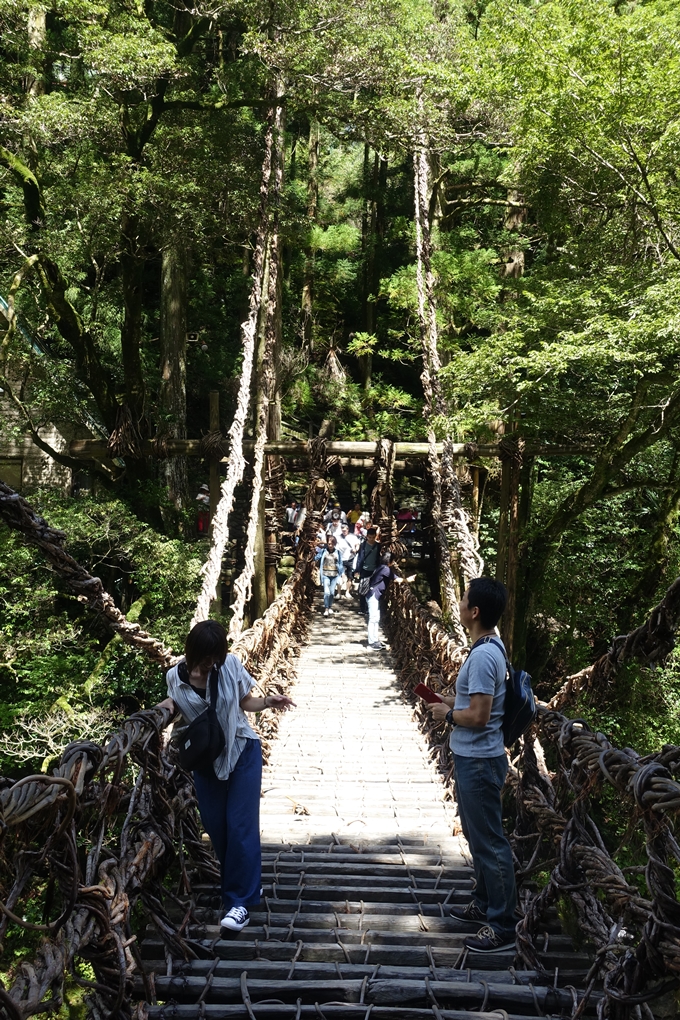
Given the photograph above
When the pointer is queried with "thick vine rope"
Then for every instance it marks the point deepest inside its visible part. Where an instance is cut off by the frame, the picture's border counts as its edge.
(650, 643)
(382, 499)
(20, 516)
(427, 316)
(212, 567)
(243, 584)
(636, 932)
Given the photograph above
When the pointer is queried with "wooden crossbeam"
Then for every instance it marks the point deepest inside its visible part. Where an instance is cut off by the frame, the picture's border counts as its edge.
(358, 451)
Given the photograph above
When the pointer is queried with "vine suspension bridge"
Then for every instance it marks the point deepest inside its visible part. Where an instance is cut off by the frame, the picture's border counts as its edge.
(360, 855)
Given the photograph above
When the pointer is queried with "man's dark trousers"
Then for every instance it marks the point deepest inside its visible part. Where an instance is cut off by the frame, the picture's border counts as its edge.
(479, 782)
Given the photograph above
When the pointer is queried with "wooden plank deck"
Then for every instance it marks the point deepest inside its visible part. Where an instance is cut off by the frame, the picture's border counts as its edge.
(360, 866)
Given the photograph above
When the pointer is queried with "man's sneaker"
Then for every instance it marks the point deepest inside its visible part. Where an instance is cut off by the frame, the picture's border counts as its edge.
(470, 912)
(489, 941)
(331, 612)
(377, 646)
(235, 919)
(326, 612)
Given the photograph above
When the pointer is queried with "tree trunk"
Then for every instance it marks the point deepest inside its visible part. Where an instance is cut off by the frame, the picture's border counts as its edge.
(172, 397)
(430, 378)
(513, 463)
(132, 271)
(645, 591)
(312, 211)
(502, 541)
(368, 223)
(37, 37)
(259, 600)
(521, 607)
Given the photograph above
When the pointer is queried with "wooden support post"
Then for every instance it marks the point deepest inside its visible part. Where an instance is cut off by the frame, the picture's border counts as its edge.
(479, 476)
(512, 564)
(259, 598)
(215, 481)
(214, 461)
(511, 450)
(502, 552)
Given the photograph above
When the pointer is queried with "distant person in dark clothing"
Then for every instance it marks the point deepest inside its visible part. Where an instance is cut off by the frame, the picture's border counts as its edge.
(368, 558)
(203, 515)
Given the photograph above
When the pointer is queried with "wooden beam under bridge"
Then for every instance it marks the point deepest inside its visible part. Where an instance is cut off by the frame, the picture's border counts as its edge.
(88, 448)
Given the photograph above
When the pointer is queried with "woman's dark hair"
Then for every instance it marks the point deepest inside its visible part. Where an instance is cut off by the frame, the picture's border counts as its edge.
(208, 639)
(489, 596)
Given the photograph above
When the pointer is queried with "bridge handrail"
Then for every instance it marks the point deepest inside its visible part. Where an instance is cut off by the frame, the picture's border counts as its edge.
(19, 515)
(636, 936)
(135, 784)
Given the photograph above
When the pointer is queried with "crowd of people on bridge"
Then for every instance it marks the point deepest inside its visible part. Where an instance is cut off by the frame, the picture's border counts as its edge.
(348, 550)
(228, 788)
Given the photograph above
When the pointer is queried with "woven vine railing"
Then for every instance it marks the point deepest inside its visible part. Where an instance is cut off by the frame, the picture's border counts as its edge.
(567, 787)
(115, 827)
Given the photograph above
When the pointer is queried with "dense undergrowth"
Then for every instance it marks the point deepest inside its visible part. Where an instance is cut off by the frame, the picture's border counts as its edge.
(54, 653)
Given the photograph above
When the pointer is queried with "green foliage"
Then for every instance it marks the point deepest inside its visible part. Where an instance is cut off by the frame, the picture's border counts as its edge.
(555, 211)
(642, 710)
(50, 645)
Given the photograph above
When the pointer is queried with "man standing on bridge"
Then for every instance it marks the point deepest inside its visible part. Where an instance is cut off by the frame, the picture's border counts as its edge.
(480, 767)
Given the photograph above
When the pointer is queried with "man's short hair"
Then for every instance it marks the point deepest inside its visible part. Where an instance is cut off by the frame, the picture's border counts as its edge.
(372, 531)
(490, 597)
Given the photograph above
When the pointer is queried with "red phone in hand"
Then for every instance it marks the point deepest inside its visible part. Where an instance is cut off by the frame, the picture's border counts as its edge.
(427, 694)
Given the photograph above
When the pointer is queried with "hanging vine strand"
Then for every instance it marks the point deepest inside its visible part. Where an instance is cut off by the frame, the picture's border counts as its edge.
(636, 935)
(243, 584)
(212, 567)
(427, 317)
(650, 643)
(21, 517)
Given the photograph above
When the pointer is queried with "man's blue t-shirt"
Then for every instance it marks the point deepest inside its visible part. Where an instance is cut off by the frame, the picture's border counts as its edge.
(483, 672)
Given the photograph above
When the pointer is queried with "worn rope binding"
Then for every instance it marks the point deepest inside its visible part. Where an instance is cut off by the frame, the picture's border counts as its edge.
(213, 444)
(135, 811)
(636, 935)
(126, 438)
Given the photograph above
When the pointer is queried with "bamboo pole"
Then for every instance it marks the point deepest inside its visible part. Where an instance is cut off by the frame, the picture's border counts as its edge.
(89, 448)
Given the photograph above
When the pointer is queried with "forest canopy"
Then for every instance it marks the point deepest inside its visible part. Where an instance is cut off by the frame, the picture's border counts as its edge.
(133, 137)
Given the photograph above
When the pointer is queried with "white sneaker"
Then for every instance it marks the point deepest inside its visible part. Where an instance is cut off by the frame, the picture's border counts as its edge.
(348, 595)
(326, 612)
(235, 919)
(331, 612)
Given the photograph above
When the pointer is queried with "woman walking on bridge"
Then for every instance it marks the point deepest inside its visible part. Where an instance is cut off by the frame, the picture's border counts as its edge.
(228, 789)
(331, 569)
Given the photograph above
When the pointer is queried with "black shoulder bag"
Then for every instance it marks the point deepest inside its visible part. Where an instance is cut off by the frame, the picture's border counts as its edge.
(203, 739)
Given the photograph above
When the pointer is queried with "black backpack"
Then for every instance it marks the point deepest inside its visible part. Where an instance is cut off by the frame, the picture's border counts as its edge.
(203, 739)
(519, 710)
